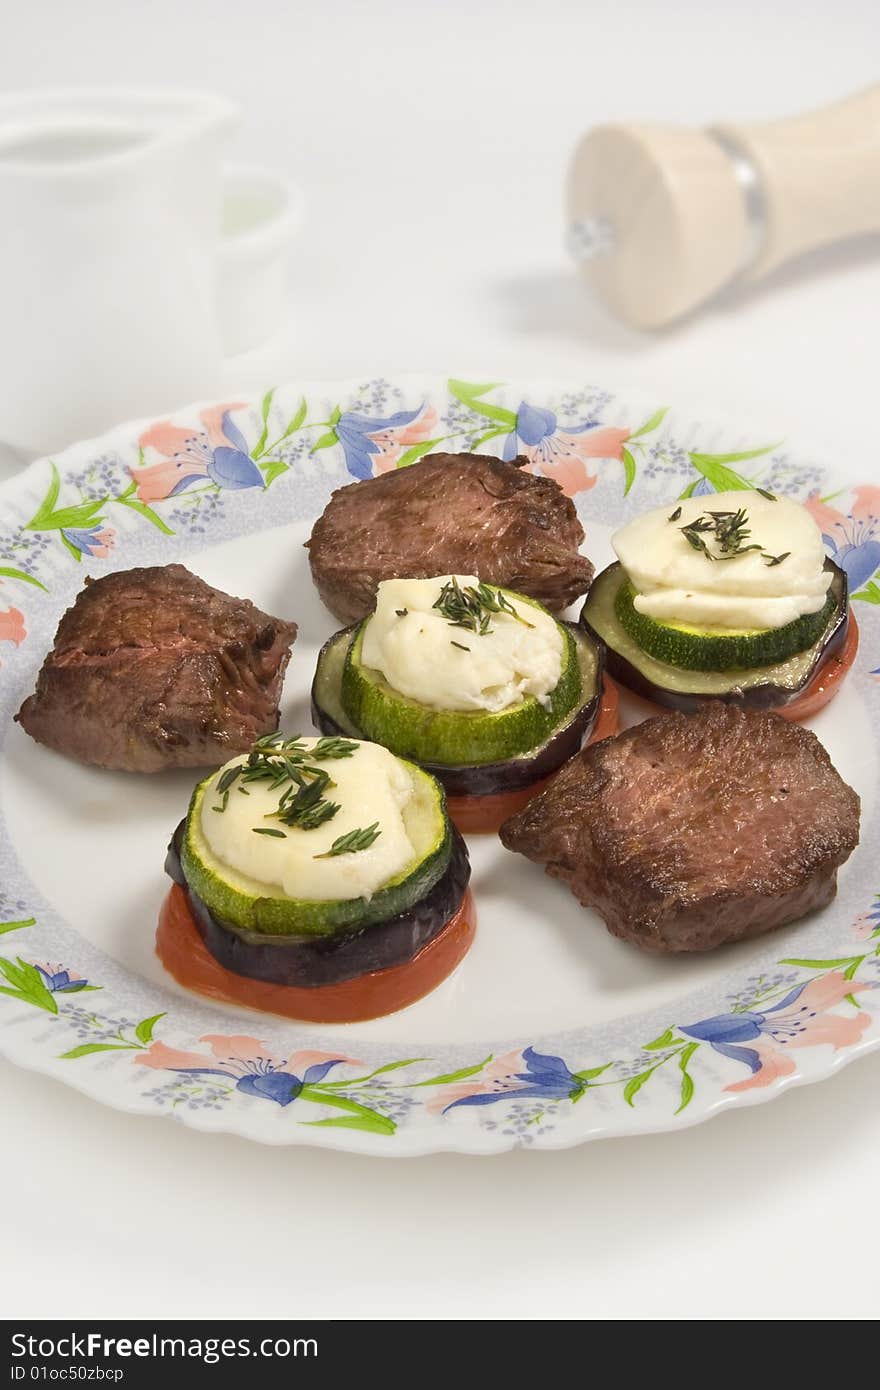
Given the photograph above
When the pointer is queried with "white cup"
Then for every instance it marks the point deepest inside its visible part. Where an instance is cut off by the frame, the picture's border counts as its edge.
(128, 269)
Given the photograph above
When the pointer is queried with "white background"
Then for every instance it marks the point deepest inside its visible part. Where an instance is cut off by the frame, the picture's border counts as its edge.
(431, 141)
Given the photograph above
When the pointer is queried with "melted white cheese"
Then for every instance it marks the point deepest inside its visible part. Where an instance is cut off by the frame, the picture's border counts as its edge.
(413, 646)
(371, 785)
(678, 584)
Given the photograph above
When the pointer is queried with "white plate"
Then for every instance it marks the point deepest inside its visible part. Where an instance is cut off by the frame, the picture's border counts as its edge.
(551, 1031)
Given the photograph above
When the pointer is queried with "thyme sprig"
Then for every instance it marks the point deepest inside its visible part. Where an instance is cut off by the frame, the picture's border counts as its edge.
(729, 531)
(353, 842)
(472, 607)
(288, 766)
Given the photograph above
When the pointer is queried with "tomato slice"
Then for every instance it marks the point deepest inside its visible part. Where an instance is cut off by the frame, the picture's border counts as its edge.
(828, 679)
(184, 955)
(484, 815)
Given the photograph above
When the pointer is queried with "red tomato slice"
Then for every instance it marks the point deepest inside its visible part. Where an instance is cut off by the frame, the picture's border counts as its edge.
(827, 681)
(185, 956)
(483, 815)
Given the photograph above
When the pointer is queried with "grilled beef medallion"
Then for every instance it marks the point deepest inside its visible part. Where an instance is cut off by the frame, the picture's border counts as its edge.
(152, 668)
(690, 831)
(449, 514)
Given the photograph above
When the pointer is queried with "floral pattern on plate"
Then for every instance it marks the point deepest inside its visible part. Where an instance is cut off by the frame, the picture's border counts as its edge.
(218, 472)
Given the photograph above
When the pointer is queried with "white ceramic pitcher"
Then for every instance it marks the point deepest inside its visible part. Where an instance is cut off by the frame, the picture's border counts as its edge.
(109, 224)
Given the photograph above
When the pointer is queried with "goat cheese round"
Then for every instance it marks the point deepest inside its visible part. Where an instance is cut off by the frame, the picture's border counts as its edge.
(424, 656)
(370, 786)
(678, 583)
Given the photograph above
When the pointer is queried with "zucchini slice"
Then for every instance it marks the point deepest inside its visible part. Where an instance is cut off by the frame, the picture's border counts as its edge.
(256, 907)
(482, 779)
(762, 687)
(315, 961)
(718, 649)
(453, 737)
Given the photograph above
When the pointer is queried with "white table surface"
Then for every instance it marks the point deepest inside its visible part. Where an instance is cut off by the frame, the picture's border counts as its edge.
(431, 140)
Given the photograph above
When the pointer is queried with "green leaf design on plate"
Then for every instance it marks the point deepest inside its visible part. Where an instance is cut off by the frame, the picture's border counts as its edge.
(27, 985)
(635, 1084)
(70, 548)
(357, 1116)
(144, 1031)
(687, 1081)
(17, 926)
(651, 423)
(417, 451)
(87, 1049)
(297, 419)
(665, 1040)
(274, 468)
(6, 572)
(870, 594)
(823, 964)
(629, 470)
(714, 468)
(359, 1080)
(591, 1072)
(265, 407)
(371, 1121)
(461, 1075)
(494, 433)
(144, 510)
(47, 506)
(469, 394)
(326, 441)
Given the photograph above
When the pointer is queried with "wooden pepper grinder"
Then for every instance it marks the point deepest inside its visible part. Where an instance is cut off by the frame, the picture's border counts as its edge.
(660, 218)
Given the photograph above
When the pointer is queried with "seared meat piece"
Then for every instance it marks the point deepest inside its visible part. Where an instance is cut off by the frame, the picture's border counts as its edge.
(449, 514)
(689, 831)
(152, 668)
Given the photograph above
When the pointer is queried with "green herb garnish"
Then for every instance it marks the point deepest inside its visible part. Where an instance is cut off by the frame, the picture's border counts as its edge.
(289, 767)
(306, 807)
(675, 515)
(352, 842)
(729, 531)
(265, 830)
(472, 607)
(771, 560)
(460, 645)
(771, 496)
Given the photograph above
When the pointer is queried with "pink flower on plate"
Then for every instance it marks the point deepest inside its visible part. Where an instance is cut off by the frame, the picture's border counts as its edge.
(523, 1074)
(249, 1063)
(853, 538)
(12, 628)
(563, 454)
(373, 446)
(218, 452)
(95, 541)
(802, 1019)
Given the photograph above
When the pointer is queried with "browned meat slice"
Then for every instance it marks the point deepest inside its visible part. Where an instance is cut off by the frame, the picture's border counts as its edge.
(152, 668)
(689, 831)
(449, 514)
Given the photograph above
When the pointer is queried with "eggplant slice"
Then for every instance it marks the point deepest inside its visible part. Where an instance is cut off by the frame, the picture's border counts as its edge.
(762, 687)
(310, 961)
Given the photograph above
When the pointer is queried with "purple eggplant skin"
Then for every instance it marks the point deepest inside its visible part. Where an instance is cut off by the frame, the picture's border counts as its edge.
(768, 696)
(487, 779)
(309, 962)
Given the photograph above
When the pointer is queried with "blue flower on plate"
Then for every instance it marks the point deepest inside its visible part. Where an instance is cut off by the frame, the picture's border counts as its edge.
(374, 445)
(248, 1063)
(60, 981)
(217, 453)
(523, 1075)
